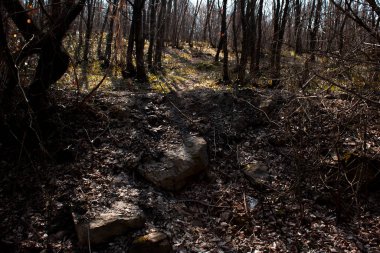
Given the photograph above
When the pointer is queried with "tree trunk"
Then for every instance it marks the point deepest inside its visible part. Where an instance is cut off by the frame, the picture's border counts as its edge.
(182, 18)
(174, 25)
(89, 25)
(100, 42)
(139, 40)
(224, 40)
(259, 37)
(80, 40)
(110, 35)
(9, 72)
(152, 30)
(195, 14)
(234, 34)
(314, 30)
(130, 68)
(280, 16)
(298, 27)
(160, 36)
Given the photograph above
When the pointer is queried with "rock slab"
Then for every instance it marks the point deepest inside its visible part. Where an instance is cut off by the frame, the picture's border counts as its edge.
(114, 222)
(156, 242)
(177, 165)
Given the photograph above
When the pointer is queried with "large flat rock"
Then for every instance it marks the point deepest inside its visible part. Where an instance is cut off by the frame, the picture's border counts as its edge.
(116, 221)
(177, 165)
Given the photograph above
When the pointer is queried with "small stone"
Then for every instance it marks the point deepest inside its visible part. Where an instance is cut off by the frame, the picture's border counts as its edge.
(257, 173)
(156, 242)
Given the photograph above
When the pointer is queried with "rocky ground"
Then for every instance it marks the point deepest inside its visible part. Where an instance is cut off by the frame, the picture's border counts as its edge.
(196, 170)
(245, 198)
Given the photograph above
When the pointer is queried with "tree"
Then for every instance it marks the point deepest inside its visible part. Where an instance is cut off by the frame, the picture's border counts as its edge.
(314, 26)
(138, 7)
(298, 26)
(224, 41)
(152, 31)
(247, 12)
(109, 39)
(195, 14)
(259, 38)
(136, 39)
(100, 41)
(280, 17)
(89, 26)
(46, 43)
(160, 36)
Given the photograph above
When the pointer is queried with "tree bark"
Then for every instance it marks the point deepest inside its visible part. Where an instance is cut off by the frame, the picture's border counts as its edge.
(152, 31)
(259, 37)
(224, 40)
(195, 14)
(139, 40)
(280, 16)
(89, 25)
(100, 41)
(298, 27)
(160, 36)
(110, 35)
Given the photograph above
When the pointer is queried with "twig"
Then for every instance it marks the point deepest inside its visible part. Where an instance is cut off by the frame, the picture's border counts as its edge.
(171, 102)
(308, 81)
(258, 109)
(201, 202)
(92, 92)
(245, 203)
(348, 90)
(214, 145)
(88, 238)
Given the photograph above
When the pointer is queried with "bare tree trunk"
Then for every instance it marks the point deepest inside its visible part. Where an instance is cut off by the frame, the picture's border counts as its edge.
(195, 14)
(152, 30)
(210, 7)
(247, 11)
(53, 59)
(259, 37)
(139, 40)
(89, 25)
(100, 42)
(234, 34)
(80, 39)
(8, 71)
(169, 20)
(298, 26)
(252, 31)
(130, 67)
(224, 40)
(110, 35)
(182, 18)
(174, 25)
(160, 36)
(341, 35)
(314, 30)
(280, 16)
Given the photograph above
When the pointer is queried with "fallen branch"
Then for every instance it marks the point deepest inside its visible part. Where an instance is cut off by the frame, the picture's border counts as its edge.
(348, 90)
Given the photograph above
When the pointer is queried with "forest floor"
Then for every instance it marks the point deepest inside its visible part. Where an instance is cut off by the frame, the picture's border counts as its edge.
(94, 150)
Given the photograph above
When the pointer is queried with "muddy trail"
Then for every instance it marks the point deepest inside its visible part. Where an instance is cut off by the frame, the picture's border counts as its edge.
(269, 183)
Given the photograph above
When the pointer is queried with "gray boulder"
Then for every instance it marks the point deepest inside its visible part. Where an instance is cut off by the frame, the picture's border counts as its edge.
(177, 165)
(114, 222)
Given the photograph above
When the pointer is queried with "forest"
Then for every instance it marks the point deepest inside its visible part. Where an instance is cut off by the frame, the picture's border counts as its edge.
(158, 126)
